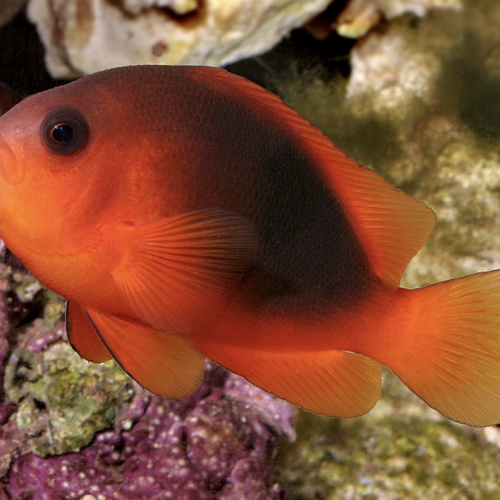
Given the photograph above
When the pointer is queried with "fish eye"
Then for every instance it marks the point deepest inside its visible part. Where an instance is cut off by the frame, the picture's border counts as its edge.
(64, 131)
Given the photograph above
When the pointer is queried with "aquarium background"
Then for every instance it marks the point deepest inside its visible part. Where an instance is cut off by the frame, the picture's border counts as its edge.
(414, 96)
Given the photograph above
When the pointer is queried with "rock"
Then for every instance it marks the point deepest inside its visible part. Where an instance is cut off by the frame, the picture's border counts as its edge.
(356, 18)
(209, 446)
(401, 449)
(360, 16)
(84, 36)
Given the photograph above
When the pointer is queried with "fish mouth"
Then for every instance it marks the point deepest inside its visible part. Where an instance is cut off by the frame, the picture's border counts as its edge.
(11, 169)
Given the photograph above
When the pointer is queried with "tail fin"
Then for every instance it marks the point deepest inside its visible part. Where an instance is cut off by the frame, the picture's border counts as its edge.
(452, 359)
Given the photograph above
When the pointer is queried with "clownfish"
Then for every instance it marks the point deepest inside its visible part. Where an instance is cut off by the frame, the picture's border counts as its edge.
(185, 212)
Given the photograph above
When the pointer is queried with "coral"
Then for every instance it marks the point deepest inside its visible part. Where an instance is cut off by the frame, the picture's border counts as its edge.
(179, 7)
(209, 446)
(84, 37)
(392, 67)
(360, 16)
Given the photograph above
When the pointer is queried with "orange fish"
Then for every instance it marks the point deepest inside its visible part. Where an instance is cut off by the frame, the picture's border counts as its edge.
(186, 212)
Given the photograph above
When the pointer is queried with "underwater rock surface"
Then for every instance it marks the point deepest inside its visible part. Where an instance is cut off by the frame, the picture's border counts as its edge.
(400, 450)
(85, 37)
(360, 16)
(207, 447)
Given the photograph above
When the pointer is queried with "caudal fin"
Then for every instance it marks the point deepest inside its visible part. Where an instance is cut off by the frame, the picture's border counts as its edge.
(451, 357)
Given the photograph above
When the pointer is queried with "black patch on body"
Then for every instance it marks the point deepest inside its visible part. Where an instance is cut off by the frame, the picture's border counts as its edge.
(231, 151)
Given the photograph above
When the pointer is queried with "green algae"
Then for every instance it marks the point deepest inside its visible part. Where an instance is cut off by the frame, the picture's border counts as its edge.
(25, 286)
(55, 309)
(63, 400)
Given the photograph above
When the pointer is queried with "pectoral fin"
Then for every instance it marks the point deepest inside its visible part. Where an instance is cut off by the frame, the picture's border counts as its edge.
(180, 268)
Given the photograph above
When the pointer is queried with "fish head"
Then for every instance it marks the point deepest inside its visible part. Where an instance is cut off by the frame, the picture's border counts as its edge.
(63, 159)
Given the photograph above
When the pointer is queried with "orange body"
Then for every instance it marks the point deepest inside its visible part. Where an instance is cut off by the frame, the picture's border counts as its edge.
(185, 212)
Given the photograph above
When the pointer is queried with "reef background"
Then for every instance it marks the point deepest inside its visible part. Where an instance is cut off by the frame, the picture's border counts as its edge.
(416, 99)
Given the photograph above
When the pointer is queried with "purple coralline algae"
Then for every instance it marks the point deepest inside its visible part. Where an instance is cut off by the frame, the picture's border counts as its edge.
(74, 430)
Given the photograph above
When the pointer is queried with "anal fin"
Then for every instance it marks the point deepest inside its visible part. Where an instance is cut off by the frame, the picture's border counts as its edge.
(165, 364)
(333, 383)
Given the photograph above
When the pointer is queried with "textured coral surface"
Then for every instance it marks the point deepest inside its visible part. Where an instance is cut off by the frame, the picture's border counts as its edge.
(84, 37)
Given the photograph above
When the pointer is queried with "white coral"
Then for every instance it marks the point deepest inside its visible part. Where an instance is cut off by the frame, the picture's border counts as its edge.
(84, 36)
(360, 16)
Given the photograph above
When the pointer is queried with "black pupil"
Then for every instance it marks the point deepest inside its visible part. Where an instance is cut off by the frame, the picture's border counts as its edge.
(64, 130)
(62, 133)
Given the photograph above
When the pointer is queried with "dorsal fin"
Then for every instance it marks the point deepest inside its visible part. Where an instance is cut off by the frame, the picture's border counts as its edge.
(391, 225)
